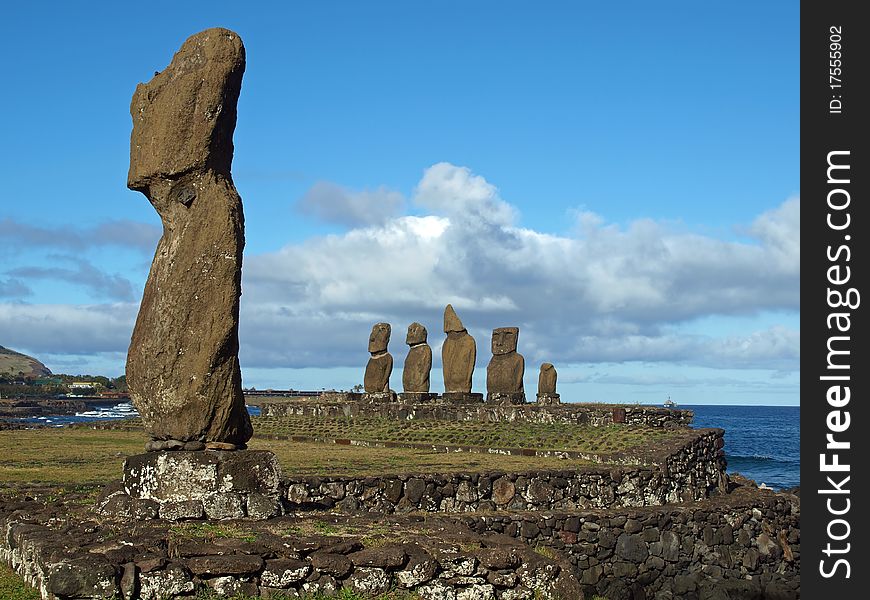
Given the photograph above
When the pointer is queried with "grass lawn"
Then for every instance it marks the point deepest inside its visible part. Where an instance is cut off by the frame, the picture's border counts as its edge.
(71, 457)
(544, 436)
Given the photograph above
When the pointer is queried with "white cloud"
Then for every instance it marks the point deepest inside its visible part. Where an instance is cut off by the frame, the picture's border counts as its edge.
(67, 328)
(336, 204)
(608, 294)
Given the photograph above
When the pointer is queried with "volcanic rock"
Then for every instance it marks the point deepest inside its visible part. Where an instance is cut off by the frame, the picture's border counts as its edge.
(418, 363)
(182, 365)
(380, 365)
(458, 354)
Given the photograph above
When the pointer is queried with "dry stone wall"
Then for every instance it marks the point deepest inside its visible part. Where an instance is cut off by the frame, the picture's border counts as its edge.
(745, 544)
(346, 404)
(691, 473)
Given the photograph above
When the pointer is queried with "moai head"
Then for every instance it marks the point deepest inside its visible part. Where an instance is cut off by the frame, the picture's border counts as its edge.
(547, 369)
(416, 334)
(379, 338)
(451, 321)
(504, 340)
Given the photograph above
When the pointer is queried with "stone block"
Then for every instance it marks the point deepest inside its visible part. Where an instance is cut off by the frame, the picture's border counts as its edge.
(462, 398)
(549, 399)
(176, 511)
(502, 398)
(417, 397)
(224, 506)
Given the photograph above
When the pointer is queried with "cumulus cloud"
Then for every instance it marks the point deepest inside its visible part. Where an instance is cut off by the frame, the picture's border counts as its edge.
(336, 204)
(605, 293)
(608, 293)
(126, 233)
(67, 328)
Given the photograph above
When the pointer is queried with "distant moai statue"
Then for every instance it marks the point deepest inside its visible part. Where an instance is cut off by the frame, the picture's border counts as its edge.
(377, 377)
(547, 385)
(418, 364)
(504, 375)
(458, 355)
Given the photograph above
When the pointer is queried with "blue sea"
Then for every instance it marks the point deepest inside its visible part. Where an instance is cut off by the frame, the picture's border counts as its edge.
(761, 442)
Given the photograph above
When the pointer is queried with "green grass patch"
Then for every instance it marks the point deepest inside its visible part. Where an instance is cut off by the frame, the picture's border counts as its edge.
(12, 587)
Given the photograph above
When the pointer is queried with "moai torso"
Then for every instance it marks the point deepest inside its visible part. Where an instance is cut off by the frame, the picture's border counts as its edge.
(547, 379)
(458, 354)
(418, 363)
(380, 365)
(505, 371)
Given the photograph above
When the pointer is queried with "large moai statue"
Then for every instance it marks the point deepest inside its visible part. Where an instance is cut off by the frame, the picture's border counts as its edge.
(547, 385)
(418, 364)
(182, 365)
(458, 355)
(376, 382)
(504, 374)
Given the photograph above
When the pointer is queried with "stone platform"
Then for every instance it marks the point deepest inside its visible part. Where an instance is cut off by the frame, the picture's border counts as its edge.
(505, 398)
(462, 398)
(192, 485)
(549, 399)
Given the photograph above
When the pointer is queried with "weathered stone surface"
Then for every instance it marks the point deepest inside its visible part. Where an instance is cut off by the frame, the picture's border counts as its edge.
(418, 363)
(231, 564)
(504, 374)
(176, 511)
(333, 564)
(547, 385)
(82, 578)
(215, 480)
(503, 490)
(458, 354)
(380, 365)
(547, 379)
(281, 573)
(157, 585)
(182, 365)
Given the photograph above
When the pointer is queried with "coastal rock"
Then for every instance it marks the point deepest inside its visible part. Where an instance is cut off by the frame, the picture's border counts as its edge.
(504, 374)
(380, 365)
(458, 354)
(182, 365)
(418, 363)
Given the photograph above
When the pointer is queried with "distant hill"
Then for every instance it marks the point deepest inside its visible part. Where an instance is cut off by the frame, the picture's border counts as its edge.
(17, 364)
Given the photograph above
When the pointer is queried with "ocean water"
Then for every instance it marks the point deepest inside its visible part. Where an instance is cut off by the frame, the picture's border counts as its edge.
(123, 410)
(761, 442)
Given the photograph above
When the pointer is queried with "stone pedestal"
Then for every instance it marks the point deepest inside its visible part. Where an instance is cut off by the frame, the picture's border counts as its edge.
(462, 398)
(417, 397)
(379, 397)
(204, 484)
(506, 398)
(549, 399)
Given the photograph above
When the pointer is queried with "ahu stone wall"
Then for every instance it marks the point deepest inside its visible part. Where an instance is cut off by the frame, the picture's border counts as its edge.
(691, 473)
(746, 544)
(596, 415)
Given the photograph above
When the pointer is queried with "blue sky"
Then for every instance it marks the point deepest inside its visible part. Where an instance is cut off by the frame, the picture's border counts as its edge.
(621, 181)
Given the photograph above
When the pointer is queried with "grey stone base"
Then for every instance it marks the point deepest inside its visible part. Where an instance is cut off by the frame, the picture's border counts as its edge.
(462, 398)
(549, 399)
(193, 485)
(505, 398)
(417, 397)
(379, 397)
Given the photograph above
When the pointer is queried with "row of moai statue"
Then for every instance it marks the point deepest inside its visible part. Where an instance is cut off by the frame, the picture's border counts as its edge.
(504, 374)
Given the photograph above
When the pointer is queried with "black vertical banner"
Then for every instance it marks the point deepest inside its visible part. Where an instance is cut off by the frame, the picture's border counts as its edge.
(835, 222)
